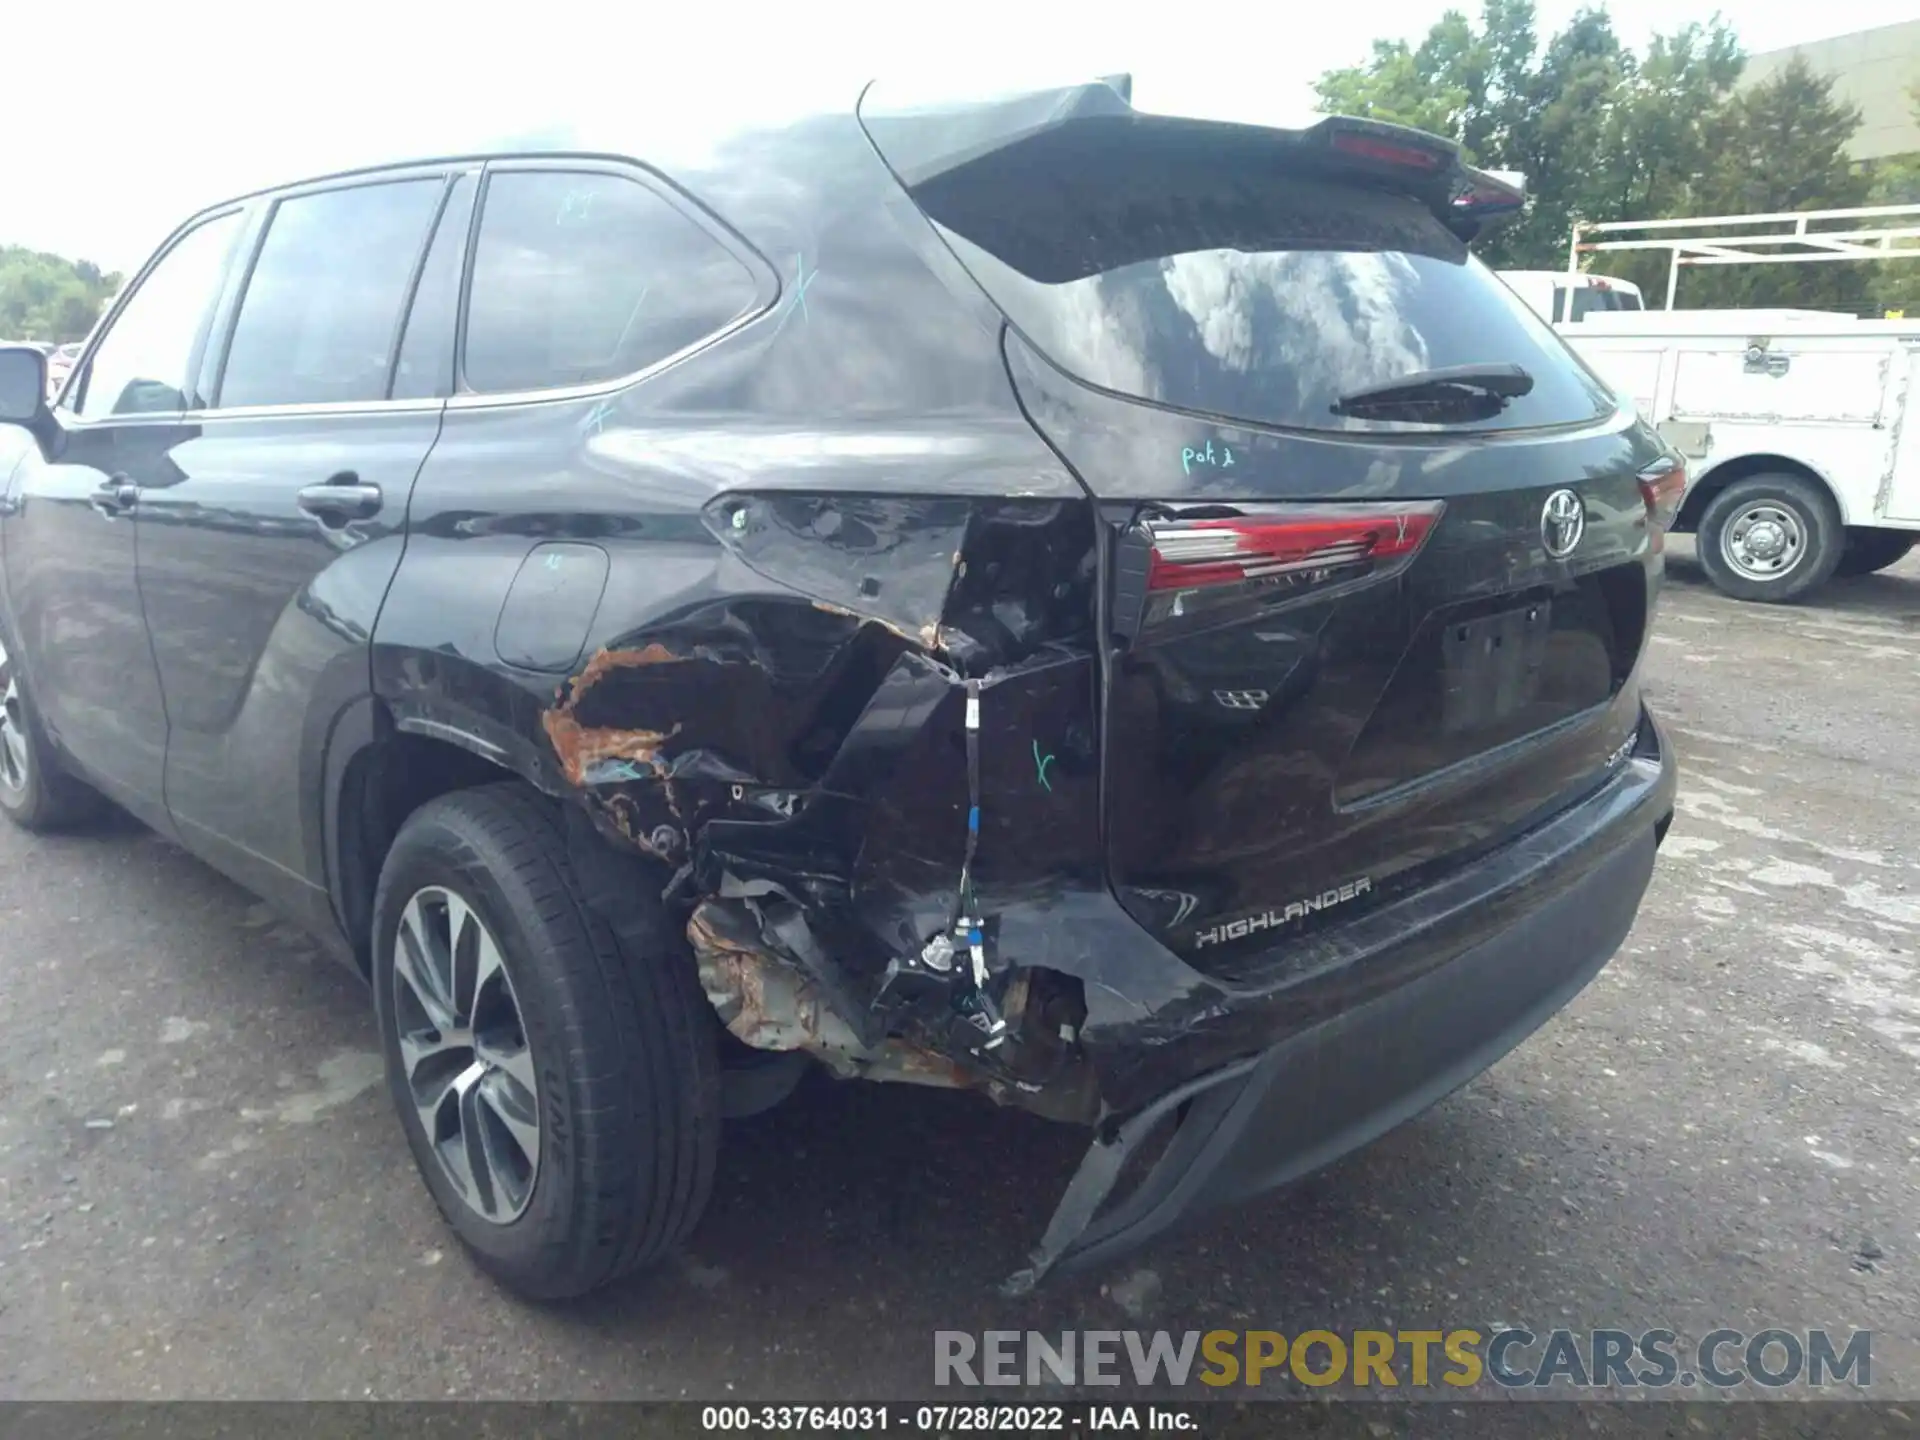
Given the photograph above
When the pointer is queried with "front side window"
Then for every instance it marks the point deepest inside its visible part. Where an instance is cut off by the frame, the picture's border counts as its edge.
(322, 309)
(583, 276)
(140, 366)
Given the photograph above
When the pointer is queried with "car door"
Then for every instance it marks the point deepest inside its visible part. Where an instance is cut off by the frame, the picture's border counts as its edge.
(71, 570)
(267, 553)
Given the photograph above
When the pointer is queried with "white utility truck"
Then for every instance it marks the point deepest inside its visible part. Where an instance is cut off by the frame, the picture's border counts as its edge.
(1558, 296)
(1800, 429)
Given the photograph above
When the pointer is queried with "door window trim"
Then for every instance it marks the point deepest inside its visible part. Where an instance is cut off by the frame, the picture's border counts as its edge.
(207, 363)
(74, 391)
(767, 285)
(214, 372)
(405, 317)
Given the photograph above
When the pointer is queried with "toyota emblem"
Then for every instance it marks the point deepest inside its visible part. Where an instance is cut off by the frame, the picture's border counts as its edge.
(1563, 520)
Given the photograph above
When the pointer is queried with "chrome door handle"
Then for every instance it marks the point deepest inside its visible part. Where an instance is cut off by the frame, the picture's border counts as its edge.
(341, 499)
(116, 495)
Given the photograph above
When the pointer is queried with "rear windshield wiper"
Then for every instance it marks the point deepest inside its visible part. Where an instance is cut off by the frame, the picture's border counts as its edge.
(1481, 388)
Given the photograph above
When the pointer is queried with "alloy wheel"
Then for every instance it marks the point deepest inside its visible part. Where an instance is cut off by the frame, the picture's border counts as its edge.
(463, 1046)
(16, 756)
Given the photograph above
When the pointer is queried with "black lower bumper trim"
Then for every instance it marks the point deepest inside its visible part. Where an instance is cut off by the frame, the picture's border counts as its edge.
(1323, 1092)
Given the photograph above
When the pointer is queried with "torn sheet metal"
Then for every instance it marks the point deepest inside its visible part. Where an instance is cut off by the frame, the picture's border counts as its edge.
(855, 774)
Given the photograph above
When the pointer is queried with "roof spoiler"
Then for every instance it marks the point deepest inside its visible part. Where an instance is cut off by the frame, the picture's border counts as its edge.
(921, 145)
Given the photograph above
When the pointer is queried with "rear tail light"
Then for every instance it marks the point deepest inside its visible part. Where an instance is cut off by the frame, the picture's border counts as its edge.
(1177, 565)
(1662, 488)
(1192, 554)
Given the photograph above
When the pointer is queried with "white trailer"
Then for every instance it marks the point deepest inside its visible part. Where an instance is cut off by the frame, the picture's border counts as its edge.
(1801, 429)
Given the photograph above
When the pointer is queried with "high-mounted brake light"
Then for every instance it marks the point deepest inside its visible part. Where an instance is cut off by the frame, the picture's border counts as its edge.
(1190, 554)
(1372, 147)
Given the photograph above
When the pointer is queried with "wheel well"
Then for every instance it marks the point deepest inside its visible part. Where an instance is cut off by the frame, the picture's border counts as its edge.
(1700, 494)
(384, 784)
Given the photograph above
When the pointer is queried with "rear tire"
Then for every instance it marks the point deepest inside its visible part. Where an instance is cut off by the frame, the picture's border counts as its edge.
(1771, 538)
(574, 1089)
(1868, 549)
(36, 793)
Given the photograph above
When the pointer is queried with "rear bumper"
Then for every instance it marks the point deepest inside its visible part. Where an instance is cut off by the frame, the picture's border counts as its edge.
(1336, 1084)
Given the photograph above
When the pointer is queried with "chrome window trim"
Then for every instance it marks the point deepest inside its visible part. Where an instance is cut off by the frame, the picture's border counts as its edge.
(71, 420)
(475, 400)
(328, 407)
(255, 412)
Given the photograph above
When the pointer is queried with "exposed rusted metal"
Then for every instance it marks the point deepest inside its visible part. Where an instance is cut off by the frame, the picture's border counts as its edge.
(762, 1000)
(606, 660)
(795, 758)
(579, 748)
(770, 1003)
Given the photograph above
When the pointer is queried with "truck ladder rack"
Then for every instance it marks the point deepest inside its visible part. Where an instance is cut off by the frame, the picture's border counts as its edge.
(1877, 232)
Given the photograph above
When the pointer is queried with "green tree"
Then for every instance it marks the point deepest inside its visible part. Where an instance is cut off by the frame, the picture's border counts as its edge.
(1896, 181)
(47, 297)
(1393, 87)
(1597, 132)
(1563, 134)
(1781, 145)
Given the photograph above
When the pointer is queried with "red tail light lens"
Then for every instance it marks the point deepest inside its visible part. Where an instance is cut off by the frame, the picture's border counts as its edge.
(1662, 489)
(1189, 554)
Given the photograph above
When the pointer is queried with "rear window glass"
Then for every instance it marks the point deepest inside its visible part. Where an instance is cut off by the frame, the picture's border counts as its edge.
(1198, 270)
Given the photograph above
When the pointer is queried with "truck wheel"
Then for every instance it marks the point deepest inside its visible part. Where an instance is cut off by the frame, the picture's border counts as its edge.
(1868, 549)
(1770, 538)
(34, 791)
(560, 1095)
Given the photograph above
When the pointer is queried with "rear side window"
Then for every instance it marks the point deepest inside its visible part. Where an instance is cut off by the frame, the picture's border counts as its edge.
(1166, 263)
(582, 276)
(321, 314)
(140, 365)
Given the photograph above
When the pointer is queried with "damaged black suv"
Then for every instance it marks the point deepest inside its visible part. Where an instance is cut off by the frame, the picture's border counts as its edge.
(1117, 612)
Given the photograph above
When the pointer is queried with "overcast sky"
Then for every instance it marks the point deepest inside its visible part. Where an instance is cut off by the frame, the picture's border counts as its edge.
(123, 119)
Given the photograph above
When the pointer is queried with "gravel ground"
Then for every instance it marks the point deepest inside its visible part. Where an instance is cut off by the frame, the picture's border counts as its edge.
(203, 1192)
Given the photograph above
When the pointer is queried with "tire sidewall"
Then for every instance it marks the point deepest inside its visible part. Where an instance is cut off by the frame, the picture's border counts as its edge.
(31, 805)
(1818, 517)
(24, 806)
(436, 852)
